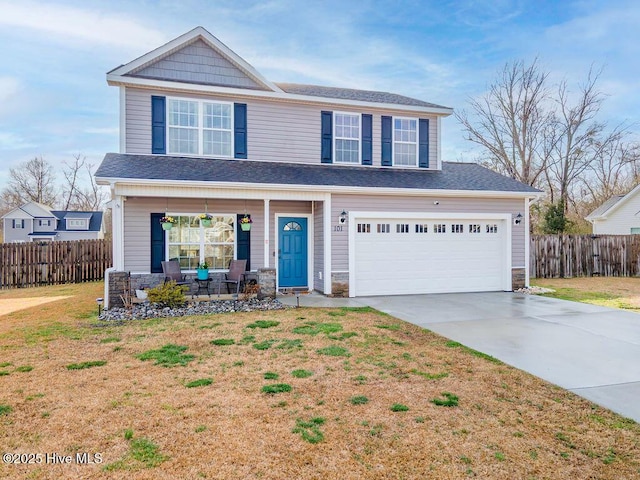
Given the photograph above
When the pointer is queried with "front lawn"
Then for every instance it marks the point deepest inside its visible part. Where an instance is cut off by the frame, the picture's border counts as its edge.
(614, 292)
(300, 393)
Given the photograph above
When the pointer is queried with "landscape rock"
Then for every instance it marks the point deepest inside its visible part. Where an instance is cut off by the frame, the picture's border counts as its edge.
(146, 310)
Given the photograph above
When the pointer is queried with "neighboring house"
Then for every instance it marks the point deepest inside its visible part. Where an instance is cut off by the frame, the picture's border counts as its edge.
(34, 222)
(619, 215)
(347, 189)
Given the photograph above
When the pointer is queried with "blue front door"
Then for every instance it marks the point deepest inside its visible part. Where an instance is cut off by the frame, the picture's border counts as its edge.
(292, 252)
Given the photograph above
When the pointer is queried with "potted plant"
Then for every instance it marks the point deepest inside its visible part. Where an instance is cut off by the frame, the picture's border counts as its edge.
(203, 271)
(167, 222)
(245, 223)
(205, 219)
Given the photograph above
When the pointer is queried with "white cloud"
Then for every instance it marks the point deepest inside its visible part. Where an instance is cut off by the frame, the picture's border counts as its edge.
(9, 87)
(102, 131)
(12, 141)
(76, 24)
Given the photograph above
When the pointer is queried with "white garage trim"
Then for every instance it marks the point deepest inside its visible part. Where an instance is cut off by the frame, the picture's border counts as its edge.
(505, 220)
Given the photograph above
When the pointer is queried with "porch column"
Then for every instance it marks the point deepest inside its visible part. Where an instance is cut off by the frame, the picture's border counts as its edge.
(117, 212)
(326, 231)
(266, 233)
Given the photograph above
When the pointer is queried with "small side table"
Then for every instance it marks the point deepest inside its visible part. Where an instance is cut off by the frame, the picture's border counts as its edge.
(203, 284)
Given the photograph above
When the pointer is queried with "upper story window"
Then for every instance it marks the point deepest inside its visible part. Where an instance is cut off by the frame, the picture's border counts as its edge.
(197, 127)
(405, 142)
(77, 224)
(44, 223)
(346, 137)
(18, 223)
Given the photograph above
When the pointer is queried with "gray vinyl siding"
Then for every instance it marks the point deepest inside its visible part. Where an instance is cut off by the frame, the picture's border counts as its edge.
(79, 235)
(371, 203)
(318, 245)
(197, 63)
(44, 228)
(276, 131)
(17, 234)
(137, 226)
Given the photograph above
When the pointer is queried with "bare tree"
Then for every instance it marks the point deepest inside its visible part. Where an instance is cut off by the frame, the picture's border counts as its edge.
(577, 139)
(511, 122)
(80, 192)
(613, 171)
(32, 181)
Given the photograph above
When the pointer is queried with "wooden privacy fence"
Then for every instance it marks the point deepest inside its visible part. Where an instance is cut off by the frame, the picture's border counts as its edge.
(50, 263)
(557, 256)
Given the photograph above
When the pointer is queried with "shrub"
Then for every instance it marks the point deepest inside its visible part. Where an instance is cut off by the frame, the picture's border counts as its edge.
(168, 294)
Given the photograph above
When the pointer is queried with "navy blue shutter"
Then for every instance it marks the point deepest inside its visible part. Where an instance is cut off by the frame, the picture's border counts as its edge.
(243, 242)
(327, 137)
(157, 243)
(240, 130)
(423, 143)
(158, 125)
(367, 140)
(387, 141)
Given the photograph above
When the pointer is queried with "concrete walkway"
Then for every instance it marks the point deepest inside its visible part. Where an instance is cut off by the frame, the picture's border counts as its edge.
(592, 351)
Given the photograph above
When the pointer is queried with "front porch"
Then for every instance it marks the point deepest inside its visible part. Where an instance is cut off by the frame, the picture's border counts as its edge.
(289, 236)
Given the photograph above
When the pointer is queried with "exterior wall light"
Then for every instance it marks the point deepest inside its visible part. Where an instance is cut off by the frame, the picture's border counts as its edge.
(343, 217)
(518, 219)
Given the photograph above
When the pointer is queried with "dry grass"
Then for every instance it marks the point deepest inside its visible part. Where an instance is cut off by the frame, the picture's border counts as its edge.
(615, 292)
(508, 424)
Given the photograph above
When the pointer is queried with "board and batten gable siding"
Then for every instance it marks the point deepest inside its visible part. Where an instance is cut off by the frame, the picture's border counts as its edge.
(276, 131)
(197, 63)
(621, 220)
(372, 203)
(137, 225)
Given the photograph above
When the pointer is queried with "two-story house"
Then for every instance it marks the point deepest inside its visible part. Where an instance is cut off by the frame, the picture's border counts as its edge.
(346, 189)
(34, 222)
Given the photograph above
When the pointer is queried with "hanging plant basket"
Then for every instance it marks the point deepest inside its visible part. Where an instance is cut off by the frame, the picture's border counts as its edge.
(167, 225)
(205, 222)
(245, 227)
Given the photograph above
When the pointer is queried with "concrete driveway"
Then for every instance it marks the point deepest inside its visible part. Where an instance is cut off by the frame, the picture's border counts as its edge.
(592, 351)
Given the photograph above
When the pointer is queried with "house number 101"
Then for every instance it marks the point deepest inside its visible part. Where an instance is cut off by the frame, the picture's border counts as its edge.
(337, 228)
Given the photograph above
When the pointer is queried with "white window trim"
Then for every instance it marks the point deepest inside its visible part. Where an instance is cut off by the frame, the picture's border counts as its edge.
(82, 224)
(18, 224)
(393, 141)
(201, 259)
(200, 127)
(335, 137)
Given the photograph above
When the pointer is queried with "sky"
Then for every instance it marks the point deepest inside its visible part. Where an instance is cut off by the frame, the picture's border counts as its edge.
(55, 101)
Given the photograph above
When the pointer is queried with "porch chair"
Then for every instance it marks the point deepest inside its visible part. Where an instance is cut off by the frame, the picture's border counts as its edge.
(171, 270)
(235, 275)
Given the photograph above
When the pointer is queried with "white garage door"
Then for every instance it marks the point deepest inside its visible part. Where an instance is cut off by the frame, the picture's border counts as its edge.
(396, 256)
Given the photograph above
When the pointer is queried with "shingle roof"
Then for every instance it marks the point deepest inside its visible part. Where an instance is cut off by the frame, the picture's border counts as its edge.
(353, 94)
(605, 206)
(95, 222)
(453, 176)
